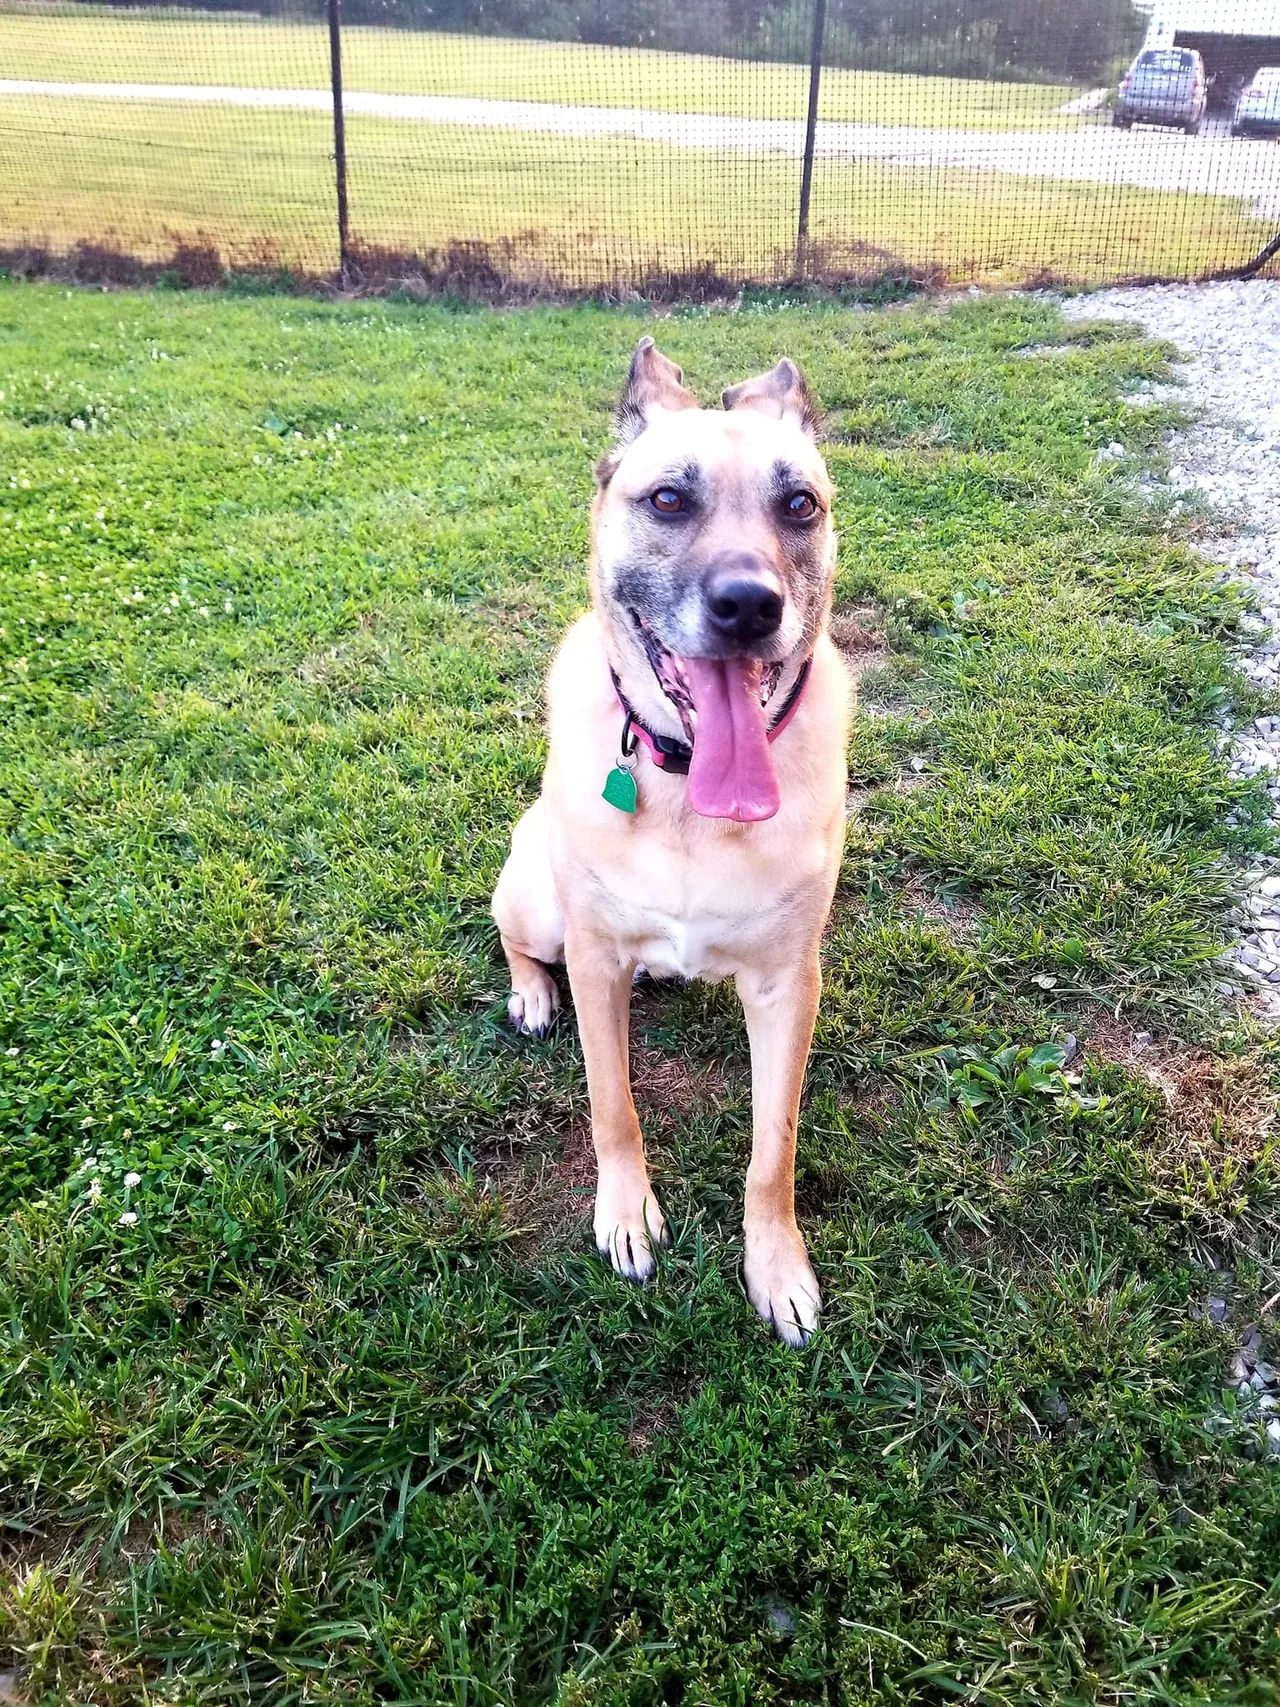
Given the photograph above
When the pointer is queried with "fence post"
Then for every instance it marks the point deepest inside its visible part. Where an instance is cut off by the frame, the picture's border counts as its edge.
(339, 138)
(811, 126)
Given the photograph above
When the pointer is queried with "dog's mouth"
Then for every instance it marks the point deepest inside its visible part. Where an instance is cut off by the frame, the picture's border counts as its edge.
(721, 705)
(672, 675)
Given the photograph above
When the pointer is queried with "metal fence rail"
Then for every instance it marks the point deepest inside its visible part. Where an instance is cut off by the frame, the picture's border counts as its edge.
(636, 145)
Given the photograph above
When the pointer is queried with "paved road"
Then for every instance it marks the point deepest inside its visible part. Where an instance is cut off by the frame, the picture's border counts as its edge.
(1214, 163)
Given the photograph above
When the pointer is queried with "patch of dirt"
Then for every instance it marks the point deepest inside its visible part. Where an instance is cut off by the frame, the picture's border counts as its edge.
(877, 1100)
(21, 1550)
(657, 1414)
(957, 914)
(545, 1195)
(346, 667)
(906, 782)
(1036, 352)
(549, 1193)
(1218, 1111)
(542, 1169)
(859, 639)
(673, 1084)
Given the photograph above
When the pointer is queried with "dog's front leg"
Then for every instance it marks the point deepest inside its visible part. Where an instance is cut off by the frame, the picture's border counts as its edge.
(628, 1222)
(781, 1007)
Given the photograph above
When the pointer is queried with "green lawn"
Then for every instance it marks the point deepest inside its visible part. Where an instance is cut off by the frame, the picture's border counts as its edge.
(258, 187)
(84, 45)
(351, 1412)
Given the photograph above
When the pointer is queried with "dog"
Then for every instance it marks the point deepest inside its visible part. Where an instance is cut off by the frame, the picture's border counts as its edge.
(692, 812)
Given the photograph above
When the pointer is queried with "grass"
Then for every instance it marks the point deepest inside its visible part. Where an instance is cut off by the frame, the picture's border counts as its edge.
(89, 45)
(351, 1413)
(258, 186)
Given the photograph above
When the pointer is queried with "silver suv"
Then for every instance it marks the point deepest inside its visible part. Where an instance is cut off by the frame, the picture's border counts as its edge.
(1164, 85)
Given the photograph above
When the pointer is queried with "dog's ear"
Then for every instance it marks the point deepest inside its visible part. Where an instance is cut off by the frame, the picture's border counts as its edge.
(653, 382)
(783, 393)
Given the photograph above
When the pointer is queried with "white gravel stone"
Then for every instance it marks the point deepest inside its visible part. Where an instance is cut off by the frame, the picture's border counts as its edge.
(1230, 331)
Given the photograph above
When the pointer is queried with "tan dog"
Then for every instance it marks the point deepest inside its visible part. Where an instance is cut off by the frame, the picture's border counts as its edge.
(711, 567)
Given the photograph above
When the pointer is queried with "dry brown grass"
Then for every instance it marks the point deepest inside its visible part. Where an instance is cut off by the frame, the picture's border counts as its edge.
(859, 639)
(1214, 1116)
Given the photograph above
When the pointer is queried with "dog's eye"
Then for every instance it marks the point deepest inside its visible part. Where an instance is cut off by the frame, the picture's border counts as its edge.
(666, 501)
(800, 507)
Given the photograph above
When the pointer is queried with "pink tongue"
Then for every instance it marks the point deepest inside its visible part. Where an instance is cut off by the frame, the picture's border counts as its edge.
(731, 774)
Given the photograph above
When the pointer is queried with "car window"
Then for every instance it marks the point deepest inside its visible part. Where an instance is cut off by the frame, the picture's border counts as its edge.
(1165, 59)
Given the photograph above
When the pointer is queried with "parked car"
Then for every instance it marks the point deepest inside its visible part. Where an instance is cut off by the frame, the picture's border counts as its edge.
(1258, 109)
(1164, 85)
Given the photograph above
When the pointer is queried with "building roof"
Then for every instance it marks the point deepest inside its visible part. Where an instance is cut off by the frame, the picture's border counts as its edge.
(1215, 17)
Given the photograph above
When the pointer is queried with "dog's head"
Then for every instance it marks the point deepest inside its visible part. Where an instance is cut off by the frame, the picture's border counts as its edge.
(712, 562)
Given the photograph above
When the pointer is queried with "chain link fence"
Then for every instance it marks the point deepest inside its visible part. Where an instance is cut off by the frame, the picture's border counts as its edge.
(503, 147)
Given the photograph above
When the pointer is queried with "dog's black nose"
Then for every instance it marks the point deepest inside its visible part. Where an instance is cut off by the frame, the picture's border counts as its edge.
(743, 607)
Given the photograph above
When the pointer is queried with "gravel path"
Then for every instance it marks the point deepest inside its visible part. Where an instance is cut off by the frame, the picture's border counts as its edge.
(1232, 333)
(1214, 164)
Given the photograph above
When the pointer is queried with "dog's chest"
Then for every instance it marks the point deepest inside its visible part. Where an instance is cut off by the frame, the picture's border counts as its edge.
(670, 947)
(684, 917)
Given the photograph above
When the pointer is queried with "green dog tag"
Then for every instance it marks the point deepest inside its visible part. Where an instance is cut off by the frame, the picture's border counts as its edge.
(620, 789)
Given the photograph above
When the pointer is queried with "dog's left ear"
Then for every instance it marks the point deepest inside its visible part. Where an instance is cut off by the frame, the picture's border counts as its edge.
(783, 393)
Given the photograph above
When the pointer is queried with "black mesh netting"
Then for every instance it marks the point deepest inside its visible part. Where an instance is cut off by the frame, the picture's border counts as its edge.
(639, 144)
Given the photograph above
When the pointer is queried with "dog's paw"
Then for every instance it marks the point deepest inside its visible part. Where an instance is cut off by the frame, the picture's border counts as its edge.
(629, 1227)
(533, 1006)
(781, 1282)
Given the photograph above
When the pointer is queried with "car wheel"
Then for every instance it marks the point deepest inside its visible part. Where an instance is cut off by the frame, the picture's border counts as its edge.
(1119, 122)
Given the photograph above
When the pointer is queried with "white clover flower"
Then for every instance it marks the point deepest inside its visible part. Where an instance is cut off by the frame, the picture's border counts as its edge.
(131, 1179)
(228, 1126)
(128, 1219)
(217, 1045)
(95, 1190)
(87, 1121)
(11, 1052)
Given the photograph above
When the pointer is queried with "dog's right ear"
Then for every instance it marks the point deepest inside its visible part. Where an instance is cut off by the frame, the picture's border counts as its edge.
(653, 382)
